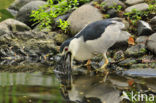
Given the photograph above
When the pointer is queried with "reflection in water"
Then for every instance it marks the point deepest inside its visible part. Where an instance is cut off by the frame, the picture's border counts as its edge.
(29, 88)
(76, 87)
(82, 88)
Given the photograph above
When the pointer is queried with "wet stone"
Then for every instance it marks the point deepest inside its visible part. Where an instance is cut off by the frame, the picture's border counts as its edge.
(60, 38)
(119, 55)
(147, 59)
(153, 23)
(141, 39)
(112, 12)
(139, 72)
(144, 28)
(132, 2)
(139, 7)
(136, 50)
(151, 43)
(143, 65)
(127, 62)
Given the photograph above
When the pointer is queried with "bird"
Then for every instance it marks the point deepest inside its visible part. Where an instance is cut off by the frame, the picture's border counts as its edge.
(95, 38)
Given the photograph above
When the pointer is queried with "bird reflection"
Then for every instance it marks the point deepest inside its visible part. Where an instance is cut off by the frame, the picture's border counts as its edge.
(87, 88)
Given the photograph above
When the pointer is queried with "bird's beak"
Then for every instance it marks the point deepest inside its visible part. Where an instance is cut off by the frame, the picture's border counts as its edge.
(66, 62)
(68, 58)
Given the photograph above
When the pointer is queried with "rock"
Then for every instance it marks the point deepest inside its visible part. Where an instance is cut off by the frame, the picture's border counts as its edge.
(139, 7)
(144, 28)
(110, 3)
(153, 20)
(24, 12)
(60, 38)
(153, 23)
(27, 44)
(119, 55)
(127, 62)
(143, 65)
(82, 16)
(17, 4)
(132, 2)
(12, 25)
(112, 12)
(13, 12)
(139, 72)
(62, 17)
(136, 50)
(141, 39)
(151, 43)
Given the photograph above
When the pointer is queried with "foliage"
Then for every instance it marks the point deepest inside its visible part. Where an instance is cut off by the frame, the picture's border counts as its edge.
(46, 14)
(105, 16)
(63, 25)
(116, 7)
(136, 15)
(4, 14)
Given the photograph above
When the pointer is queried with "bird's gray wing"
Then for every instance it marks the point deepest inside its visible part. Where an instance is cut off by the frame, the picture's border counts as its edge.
(94, 30)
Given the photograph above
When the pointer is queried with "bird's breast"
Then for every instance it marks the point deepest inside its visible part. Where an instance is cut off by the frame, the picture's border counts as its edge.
(79, 50)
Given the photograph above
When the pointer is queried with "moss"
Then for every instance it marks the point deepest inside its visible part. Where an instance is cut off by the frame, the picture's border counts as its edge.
(4, 14)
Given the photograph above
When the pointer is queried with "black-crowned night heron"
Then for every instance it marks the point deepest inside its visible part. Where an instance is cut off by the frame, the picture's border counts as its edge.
(95, 38)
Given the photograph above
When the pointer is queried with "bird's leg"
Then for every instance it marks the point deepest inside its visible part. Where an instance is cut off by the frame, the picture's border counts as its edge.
(88, 63)
(103, 68)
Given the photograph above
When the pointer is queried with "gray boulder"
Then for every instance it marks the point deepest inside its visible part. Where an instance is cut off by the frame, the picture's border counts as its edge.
(132, 2)
(12, 25)
(24, 13)
(13, 12)
(144, 28)
(112, 12)
(82, 16)
(139, 7)
(141, 39)
(153, 23)
(27, 44)
(151, 43)
(136, 50)
(127, 62)
(111, 3)
(17, 4)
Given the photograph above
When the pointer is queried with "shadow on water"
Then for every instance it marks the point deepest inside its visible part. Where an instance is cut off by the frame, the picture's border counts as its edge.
(64, 86)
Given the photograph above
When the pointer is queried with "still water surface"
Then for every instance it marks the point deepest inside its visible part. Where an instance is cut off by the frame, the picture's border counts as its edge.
(82, 87)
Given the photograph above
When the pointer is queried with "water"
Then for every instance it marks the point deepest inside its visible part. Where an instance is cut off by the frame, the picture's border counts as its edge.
(38, 85)
(29, 88)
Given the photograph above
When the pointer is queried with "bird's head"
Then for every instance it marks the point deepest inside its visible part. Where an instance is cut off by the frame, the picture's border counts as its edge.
(64, 49)
(65, 52)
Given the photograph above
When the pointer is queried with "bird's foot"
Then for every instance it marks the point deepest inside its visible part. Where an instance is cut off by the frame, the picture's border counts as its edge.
(105, 73)
(101, 70)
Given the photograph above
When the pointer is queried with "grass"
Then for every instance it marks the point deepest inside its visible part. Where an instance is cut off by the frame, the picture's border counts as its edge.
(4, 14)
